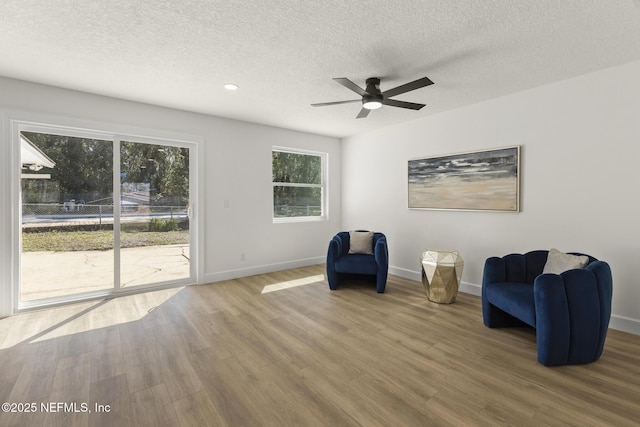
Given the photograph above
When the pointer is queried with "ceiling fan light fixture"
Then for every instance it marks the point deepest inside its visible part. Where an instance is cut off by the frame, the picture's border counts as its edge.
(372, 101)
(372, 105)
(373, 98)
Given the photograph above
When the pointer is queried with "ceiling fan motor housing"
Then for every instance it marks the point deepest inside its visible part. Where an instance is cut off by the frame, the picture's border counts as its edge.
(373, 86)
(372, 99)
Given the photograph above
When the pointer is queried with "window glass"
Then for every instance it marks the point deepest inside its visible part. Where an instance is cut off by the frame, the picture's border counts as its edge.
(298, 184)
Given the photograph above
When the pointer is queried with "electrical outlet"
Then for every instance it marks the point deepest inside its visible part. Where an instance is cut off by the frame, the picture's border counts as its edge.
(243, 256)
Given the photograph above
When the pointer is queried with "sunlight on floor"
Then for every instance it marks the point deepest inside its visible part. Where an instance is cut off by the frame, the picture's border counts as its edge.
(81, 317)
(293, 283)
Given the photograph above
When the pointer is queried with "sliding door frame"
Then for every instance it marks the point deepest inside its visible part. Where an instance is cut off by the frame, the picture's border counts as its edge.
(16, 122)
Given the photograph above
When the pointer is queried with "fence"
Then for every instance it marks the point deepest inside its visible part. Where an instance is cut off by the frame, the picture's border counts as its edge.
(47, 213)
(286, 211)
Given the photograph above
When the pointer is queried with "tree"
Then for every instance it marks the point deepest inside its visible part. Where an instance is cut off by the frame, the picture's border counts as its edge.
(84, 167)
(291, 169)
(164, 168)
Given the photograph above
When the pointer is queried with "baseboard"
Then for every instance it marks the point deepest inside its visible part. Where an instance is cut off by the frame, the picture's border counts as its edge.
(259, 269)
(405, 273)
(466, 287)
(625, 324)
(470, 288)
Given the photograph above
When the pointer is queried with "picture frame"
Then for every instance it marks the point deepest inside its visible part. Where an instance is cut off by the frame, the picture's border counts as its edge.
(485, 180)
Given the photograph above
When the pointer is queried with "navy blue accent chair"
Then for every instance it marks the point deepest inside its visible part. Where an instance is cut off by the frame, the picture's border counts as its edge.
(341, 264)
(570, 311)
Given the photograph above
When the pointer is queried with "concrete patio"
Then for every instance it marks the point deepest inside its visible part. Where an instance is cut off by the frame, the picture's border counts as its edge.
(55, 274)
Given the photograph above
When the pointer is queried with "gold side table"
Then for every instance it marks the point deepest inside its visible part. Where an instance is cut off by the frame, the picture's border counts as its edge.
(441, 273)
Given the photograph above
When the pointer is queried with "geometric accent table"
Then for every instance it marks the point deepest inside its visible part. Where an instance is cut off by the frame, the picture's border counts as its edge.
(441, 273)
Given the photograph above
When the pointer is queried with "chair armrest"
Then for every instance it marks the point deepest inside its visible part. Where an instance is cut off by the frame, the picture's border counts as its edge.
(333, 253)
(335, 250)
(552, 319)
(381, 253)
(568, 317)
(495, 270)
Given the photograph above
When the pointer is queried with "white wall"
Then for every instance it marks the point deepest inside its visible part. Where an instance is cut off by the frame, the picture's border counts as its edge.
(237, 169)
(246, 226)
(580, 143)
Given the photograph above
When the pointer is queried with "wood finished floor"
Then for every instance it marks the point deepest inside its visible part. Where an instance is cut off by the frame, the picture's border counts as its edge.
(227, 354)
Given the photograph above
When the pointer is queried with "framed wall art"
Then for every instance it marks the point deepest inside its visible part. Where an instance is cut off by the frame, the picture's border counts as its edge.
(486, 180)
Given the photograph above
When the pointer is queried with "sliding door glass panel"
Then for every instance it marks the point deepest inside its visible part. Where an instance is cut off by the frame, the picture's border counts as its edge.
(67, 239)
(154, 220)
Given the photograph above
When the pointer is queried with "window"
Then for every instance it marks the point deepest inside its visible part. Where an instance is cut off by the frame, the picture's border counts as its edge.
(298, 185)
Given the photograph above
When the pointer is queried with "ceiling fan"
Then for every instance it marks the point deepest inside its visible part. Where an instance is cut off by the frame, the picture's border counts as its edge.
(373, 98)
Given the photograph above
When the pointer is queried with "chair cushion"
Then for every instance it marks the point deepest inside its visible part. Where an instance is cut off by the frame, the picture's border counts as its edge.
(361, 242)
(559, 262)
(357, 264)
(514, 298)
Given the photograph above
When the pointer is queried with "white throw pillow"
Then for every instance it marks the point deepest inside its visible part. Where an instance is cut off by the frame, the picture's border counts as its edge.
(361, 242)
(559, 262)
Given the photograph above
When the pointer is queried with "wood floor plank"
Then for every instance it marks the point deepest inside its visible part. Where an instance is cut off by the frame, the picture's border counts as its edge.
(178, 373)
(231, 354)
(223, 389)
(153, 407)
(197, 410)
(110, 403)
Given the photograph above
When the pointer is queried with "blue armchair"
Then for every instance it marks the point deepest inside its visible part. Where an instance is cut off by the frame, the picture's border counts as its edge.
(570, 311)
(341, 263)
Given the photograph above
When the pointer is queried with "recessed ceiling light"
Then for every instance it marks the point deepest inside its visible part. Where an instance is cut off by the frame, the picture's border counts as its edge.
(231, 86)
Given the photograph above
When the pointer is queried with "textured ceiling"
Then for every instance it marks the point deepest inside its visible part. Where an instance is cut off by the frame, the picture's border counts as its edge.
(284, 54)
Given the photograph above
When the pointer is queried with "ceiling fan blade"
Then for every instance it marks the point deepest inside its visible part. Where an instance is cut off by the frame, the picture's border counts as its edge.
(402, 104)
(416, 84)
(350, 85)
(322, 104)
(363, 113)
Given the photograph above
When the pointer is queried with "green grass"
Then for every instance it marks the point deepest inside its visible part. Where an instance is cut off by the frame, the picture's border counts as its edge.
(59, 241)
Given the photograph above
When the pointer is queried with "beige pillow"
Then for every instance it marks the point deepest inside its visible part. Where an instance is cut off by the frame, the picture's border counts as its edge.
(559, 262)
(361, 242)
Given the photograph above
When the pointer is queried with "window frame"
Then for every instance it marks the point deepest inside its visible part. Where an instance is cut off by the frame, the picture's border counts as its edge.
(323, 186)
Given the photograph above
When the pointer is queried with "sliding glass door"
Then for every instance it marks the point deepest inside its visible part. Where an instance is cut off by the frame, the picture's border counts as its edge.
(67, 215)
(101, 214)
(154, 213)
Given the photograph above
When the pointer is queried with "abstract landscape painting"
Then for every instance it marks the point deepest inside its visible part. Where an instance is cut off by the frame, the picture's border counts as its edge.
(481, 180)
